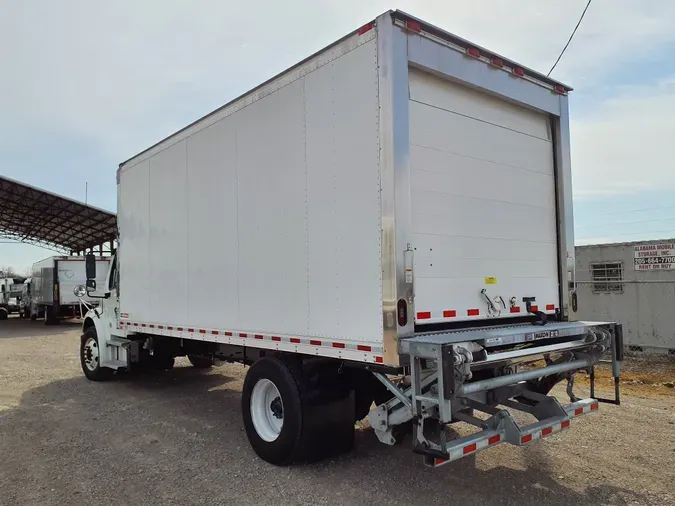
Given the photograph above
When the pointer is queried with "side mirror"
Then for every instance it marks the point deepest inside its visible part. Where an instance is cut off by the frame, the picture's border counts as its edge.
(90, 266)
(91, 284)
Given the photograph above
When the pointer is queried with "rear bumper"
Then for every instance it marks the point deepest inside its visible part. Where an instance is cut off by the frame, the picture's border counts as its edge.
(508, 431)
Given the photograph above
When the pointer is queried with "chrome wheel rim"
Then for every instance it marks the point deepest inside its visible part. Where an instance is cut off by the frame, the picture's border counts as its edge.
(90, 354)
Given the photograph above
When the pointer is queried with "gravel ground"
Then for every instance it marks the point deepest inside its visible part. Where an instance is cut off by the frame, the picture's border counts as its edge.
(177, 438)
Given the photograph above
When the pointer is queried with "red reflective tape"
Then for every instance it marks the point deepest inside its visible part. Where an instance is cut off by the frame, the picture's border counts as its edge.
(228, 333)
(152, 326)
(438, 461)
(546, 431)
(191, 330)
(564, 424)
(142, 324)
(468, 449)
(379, 360)
(450, 313)
(214, 332)
(160, 326)
(472, 312)
(135, 324)
(314, 342)
(258, 336)
(515, 309)
(494, 439)
(338, 345)
(363, 347)
(295, 340)
(526, 439)
(276, 338)
(550, 307)
(424, 315)
(534, 308)
(180, 329)
(578, 411)
(243, 335)
(594, 407)
(202, 331)
(169, 328)
(366, 28)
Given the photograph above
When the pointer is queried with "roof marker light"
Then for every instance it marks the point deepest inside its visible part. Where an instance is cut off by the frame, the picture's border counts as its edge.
(413, 26)
(559, 88)
(518, 71)
(366, 28)
(472, 51)
(496, 62)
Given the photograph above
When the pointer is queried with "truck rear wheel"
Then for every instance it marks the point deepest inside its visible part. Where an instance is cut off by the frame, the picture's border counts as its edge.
(286, 421)
(50, 318)
(90, 357)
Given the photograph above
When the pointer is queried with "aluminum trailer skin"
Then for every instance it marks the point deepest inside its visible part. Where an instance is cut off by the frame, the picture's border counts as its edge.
(50, 290)
(389, 221)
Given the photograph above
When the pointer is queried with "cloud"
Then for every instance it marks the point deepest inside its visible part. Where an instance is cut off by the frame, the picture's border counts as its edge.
(624, 144)
(122, 75)
(109, 79)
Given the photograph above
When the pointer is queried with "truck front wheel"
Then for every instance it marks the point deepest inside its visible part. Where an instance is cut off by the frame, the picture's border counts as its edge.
(90, 357)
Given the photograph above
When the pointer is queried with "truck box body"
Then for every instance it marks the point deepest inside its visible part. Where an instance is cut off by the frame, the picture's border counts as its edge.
(54, 278)
(401, 177)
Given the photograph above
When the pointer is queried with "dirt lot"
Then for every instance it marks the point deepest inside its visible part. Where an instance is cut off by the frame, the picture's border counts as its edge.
(177, 438)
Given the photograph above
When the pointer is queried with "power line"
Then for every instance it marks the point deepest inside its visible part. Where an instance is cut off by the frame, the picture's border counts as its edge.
(611, 223)
(633, 233)
(634, 210)
(570, 39)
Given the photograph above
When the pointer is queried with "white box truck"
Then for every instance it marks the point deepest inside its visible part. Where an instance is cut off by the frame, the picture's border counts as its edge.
(49, 291)
(384, 230)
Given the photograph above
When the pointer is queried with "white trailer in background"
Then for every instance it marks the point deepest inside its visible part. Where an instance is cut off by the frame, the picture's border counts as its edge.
(50, 288)
(388, 221)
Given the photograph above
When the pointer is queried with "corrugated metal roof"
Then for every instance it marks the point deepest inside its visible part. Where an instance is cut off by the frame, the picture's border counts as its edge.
(32, 215)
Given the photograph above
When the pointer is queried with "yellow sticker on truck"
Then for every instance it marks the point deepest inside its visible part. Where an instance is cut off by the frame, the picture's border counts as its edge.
(490, 280)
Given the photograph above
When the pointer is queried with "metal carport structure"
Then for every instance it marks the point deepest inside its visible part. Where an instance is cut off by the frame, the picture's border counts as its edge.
(35, 216)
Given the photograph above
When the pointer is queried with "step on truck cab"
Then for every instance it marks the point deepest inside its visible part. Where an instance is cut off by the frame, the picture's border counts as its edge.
(382, 231)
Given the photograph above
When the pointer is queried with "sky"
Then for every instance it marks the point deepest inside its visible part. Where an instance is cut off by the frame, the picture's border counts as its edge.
(86, 84)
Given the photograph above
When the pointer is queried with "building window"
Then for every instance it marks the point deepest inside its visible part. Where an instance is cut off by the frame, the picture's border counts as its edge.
(607, 277)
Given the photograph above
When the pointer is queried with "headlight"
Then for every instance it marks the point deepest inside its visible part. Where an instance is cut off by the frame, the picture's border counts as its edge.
(80, 291)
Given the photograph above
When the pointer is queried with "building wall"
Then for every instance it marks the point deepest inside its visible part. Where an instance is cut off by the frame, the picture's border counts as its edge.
(646, 307)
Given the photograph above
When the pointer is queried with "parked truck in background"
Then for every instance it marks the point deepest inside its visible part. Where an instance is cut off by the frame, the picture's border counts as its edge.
(49, 291)
(386, 223)
(10, 295)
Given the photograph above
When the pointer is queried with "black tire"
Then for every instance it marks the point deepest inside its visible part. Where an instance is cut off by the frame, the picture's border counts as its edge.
(4, 314)
(286, 377)
(50, 319)
(96, 373)
(201, 361)
(314, 425)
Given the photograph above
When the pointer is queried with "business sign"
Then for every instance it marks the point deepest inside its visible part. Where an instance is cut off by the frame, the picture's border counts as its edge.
(651, 257)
